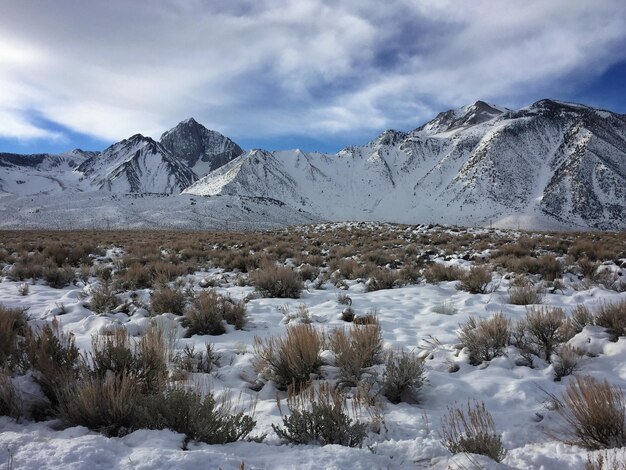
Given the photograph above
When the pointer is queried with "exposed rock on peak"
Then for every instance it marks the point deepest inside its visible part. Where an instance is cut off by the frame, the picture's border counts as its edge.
(199, 148)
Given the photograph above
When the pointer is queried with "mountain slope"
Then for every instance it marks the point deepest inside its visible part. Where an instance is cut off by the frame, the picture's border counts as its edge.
(137, 165)
(552, 164)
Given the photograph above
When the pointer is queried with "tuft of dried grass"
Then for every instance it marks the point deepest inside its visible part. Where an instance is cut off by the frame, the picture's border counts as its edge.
(594, 414)
(274, 281)
(358, 348)
(438, 272)
(320, 417)
(472, 431)
(476, 280)
(485, 339)
(289, 360)
(403, 377)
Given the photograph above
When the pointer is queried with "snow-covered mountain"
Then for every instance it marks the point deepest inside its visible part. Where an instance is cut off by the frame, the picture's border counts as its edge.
(40, 173)
(550, 165)
(137, 165)
(201, 149)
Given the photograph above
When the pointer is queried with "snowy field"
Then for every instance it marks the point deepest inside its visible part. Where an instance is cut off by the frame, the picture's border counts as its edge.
(418, 316)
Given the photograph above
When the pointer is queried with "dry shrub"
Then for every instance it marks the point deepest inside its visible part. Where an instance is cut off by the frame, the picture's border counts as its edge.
(208, 311)
(541, 331)
(612, 316)
(359, 348)
(383, 278)
(403, 377)
(320, 417)
(144, 362)
(581, 317)
(55, 359)
(347, 268)
(549, 267)
(607, 460)
(588, 268)
(13, 323)
(289, 360)
(485, 339)
(136, 276)
(58, 277)
(476, 280)
(370, 318)
(110, 405)
(594, 414)
(525, 295)
(103, 299)
(200, 418)
(274, 281)
(10, 401)
(301, 315)
(438, 272)
(566, 362)
(167, 299)
(189, 360)
(472, 431)
(308, 272)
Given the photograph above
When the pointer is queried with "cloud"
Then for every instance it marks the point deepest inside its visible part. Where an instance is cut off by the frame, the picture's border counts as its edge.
(270, 68)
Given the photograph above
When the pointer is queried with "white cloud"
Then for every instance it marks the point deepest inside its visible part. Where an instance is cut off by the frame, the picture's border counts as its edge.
(259, 68)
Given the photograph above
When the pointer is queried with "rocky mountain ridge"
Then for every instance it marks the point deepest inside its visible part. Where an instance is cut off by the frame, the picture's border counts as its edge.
(549, 165)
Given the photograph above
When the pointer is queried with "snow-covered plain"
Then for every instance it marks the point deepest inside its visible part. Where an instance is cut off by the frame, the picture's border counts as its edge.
(409, 438)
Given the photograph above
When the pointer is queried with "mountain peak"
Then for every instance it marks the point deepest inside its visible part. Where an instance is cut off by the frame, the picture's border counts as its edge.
(463, 117)
(201, 149)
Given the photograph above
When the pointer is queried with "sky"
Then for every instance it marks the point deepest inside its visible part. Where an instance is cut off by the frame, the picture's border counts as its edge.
(279, 74)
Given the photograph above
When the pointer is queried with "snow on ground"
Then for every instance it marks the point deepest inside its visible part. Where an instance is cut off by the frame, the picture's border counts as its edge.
(408, 317)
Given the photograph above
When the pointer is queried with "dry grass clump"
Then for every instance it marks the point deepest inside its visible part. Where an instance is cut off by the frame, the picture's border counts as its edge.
(438, 272)
(588, 268)
(549, 267)
(200, 418)
(308, 272)
(123, 386)
(13, 323)
(383, 278)
(135, 276)
(167, 299)
(472, 431)
(209, 311)
(320, 417)
(542, 331)
(403, 377)
(476, 280)
(143, 361)
(274, 281)
(10, 402)
(594, 414)
(55, 359)
(606, 461)
(581, 317)
(485, 339)
(103, 299)
(566, 362)
(358, 348)
(190, 360)
(612, 316)
(291, 359)
(110, 405)
(58, 277)
(525, 295)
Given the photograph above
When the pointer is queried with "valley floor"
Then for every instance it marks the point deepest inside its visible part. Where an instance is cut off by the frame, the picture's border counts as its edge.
(417, 316)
